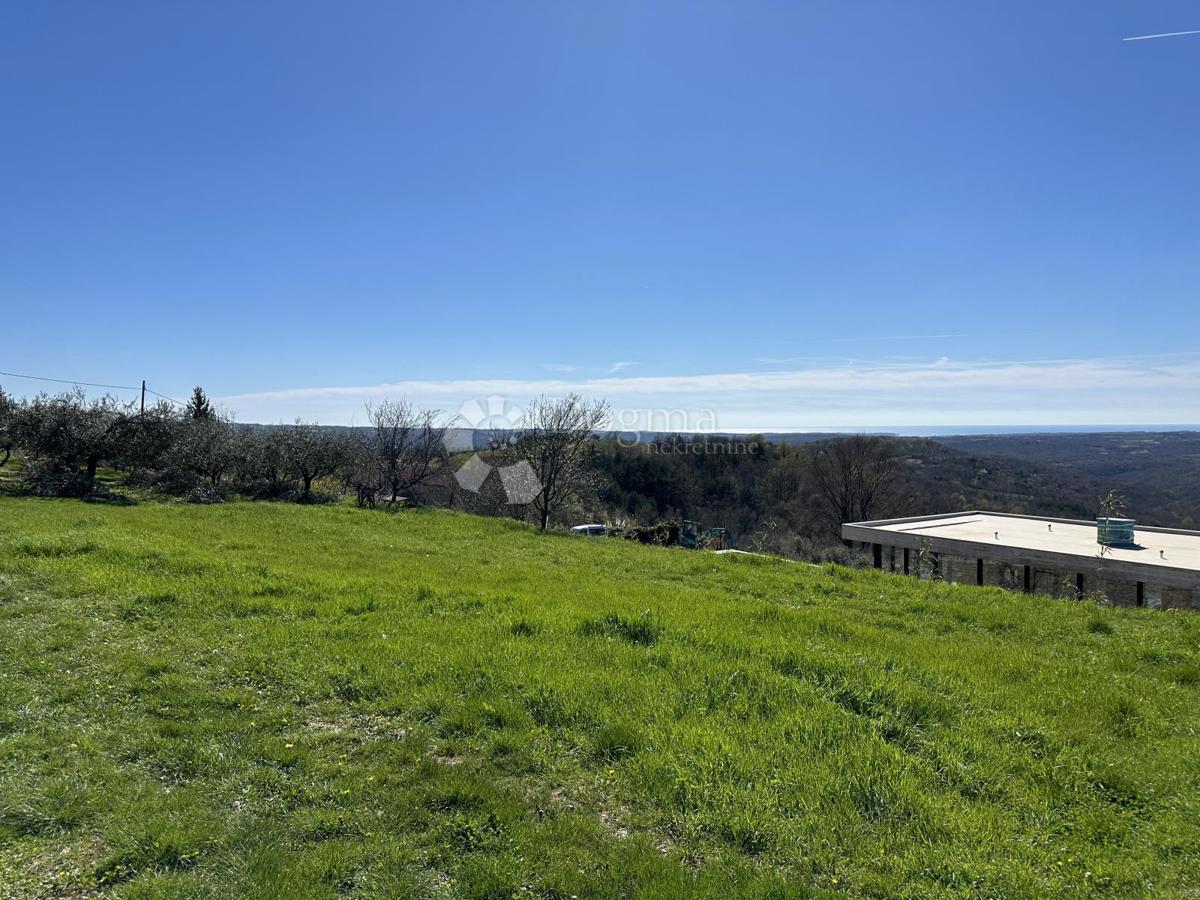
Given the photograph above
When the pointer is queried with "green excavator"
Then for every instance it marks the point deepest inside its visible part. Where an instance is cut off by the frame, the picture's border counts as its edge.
(693, 536)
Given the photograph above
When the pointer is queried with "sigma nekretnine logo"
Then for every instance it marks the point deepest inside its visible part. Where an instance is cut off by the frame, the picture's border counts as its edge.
(520, 482)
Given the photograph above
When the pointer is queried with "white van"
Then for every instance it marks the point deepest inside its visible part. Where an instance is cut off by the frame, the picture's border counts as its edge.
(589, 530)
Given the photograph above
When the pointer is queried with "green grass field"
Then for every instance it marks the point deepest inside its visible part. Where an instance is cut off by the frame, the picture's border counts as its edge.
(280, 701)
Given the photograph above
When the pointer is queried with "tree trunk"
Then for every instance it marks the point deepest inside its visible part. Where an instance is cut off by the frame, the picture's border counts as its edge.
(92, 463)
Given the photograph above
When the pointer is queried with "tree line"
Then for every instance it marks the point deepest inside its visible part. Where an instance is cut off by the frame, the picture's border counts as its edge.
(780, 498)
(400, 456)
(197, 451)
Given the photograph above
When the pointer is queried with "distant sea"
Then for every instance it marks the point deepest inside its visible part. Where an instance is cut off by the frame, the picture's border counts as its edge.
(942, 430)
(460, 439)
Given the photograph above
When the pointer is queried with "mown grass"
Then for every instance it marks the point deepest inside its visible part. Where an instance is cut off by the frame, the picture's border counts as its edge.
(280, 701)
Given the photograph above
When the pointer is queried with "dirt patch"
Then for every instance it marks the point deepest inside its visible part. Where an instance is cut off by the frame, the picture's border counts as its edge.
(613, 818)
(62, 872)
(361, 727)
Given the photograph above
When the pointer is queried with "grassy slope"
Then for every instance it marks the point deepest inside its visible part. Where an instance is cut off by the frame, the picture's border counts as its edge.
(285, 701)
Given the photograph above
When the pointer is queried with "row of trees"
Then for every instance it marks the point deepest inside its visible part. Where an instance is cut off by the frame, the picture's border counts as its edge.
(198, 451)
(771, 496)
(66, 438)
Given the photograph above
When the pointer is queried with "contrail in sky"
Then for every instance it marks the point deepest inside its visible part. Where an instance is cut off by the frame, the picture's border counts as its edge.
(1146, 37)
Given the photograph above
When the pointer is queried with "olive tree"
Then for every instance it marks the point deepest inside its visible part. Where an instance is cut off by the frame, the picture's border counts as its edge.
(261, 465)
(311, 452)
(554, 440)
(8, 430)
(144, 440)
(64, 433)
(204, 446)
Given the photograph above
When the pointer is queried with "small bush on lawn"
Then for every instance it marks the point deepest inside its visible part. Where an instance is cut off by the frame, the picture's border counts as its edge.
(205, 494)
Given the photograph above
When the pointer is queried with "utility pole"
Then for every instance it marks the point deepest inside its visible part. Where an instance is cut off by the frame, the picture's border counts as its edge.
(143, 396)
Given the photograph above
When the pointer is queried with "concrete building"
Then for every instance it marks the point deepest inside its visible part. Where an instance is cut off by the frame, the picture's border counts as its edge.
(1158, 567)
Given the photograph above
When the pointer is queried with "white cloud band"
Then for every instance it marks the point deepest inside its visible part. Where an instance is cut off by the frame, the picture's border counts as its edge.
(1125, 390)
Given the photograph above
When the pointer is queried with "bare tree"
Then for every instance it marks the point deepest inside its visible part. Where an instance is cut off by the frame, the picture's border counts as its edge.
(853, 477)
(554, 440)
(403, 447)
(311, 452)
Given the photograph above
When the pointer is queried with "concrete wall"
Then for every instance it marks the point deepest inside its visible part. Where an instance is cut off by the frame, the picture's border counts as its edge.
(958, 569)
(1038, 580)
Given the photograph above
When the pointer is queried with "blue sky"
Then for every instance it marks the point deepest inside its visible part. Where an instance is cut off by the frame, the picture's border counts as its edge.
(784, 215)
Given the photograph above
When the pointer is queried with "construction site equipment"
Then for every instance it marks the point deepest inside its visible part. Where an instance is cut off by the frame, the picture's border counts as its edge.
(693, 536)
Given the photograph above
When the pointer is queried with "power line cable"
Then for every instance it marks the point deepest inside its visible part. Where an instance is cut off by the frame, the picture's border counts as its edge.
(165, 397)
(115, 387)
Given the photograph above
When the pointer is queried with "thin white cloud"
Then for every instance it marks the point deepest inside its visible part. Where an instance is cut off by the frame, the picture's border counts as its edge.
(1130, 390)
(560, 367)
(919, 337)
(1150, 37)
(859, 339)
(621, 366)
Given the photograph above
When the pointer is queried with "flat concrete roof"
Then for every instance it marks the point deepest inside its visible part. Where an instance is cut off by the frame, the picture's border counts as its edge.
(1163, 555)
